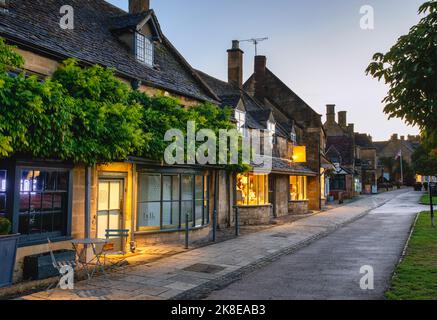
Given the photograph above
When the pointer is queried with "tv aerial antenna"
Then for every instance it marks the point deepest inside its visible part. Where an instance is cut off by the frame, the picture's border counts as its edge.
(255, 42)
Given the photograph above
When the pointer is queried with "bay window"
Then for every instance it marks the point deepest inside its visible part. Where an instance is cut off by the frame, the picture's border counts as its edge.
(298, 188)
(165, 200)
(252, 190)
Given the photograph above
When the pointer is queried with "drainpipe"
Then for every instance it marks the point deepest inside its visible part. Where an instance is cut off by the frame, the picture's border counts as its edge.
(88, 202)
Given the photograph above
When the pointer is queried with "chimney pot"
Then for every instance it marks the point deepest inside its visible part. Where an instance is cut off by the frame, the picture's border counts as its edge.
(138, 6)
(235, 65)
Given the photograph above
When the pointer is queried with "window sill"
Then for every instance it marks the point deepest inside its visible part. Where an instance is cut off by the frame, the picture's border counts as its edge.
(139, 233)
(298, 201)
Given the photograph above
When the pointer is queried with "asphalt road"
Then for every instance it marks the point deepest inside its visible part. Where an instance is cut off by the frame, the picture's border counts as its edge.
(330, 268)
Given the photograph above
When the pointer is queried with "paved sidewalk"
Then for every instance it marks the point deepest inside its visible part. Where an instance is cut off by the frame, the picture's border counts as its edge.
(194, 274)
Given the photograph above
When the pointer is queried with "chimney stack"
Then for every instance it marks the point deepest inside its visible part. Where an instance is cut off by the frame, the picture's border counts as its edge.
(394, 137)
(235, 65)
(330, 113)
(138, 6)
(342, 119)
(351, 128)
(403, 138)
(260, 76)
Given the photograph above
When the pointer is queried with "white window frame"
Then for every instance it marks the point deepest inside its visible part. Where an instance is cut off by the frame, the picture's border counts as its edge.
(144, 49)
(271, 128)
(240, 116)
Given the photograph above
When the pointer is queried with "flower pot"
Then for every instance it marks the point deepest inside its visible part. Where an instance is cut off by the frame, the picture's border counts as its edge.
(8, 251)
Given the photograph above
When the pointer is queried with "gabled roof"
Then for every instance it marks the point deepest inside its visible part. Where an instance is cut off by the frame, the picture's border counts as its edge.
(257, 112)
(34, 25)
(364, 141)
(344, 146)
(279, 94)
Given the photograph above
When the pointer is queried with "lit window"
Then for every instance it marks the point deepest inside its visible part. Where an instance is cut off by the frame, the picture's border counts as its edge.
(3, 211)
(298, 188)
(144, 49)
(252, 190)
(293, 138)
(165, 200)
(241, 121)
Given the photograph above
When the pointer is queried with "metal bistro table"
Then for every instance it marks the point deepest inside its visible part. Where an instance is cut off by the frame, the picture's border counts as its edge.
(92, 265)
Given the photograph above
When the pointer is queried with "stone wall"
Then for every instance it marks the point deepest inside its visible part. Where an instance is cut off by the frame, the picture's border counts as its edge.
(175, 238)
(298, 207)
(255, 215)
(282, 190)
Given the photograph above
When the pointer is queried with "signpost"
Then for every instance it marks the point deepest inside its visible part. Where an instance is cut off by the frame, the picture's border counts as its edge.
(432, 191)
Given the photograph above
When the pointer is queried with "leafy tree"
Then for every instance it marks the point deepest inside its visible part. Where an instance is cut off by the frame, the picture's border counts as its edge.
(425, 162)
(410, 70)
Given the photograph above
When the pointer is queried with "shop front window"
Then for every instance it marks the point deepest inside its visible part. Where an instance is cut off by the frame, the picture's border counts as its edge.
(298, 188)
(165, 201)
(252, 190)
(43, 203)
(338, 182)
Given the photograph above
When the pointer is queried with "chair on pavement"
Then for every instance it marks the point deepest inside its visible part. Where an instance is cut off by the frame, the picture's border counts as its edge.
(109, 248)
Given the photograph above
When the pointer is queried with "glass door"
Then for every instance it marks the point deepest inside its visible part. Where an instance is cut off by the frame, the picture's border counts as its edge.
(110, 209)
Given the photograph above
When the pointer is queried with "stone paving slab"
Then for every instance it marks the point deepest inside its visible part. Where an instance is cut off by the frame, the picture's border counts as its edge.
(168, 279)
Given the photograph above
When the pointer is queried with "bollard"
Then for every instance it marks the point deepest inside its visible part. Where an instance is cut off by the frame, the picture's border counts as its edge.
(187, 231)
(237, 221)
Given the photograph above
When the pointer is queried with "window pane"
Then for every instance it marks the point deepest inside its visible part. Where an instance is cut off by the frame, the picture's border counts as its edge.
(57, 201)
(187, 187)
(262, 189)
(241, 189)
(252, 191)
(35, 222)
(26, 180)
(35, 202)
(176, 187)
(149, 214)
(62, 181)
(199, 188)
(114, 199)
(50, 180)
(167, 188)
(199, 212)
(47, 222)
(150, 187)
(47, 201)
(170, 215)
(187, 208)
(2, 181)
(103, 196)
(114, 220)
(23, 223)
(102, 224)
(38, 180)
(24, 201)
(2, 204)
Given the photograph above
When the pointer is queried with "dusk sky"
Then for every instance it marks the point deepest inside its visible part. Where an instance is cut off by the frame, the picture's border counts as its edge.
(316, 47)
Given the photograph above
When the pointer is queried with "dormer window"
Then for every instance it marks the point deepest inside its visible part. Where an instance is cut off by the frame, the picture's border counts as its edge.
(144, 49)
(240, 116)
(271, 128)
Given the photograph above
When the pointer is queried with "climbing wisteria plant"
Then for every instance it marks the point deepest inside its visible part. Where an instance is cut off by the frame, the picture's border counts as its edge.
(87, 115)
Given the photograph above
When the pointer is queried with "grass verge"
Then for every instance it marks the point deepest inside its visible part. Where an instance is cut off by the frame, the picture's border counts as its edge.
(416, 276)
(425, 200)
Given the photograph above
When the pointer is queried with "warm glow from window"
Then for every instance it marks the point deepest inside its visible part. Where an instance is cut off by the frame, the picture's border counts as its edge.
(298, 188)
(252, 190)
(299, 154)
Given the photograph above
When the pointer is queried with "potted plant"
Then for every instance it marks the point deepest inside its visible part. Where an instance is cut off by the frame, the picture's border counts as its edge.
(8, 251)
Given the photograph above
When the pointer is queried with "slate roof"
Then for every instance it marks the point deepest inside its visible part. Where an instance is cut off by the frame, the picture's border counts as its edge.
(364, 141)
(35, 24)
(292, 105)
(283, 166)
(257, 113)
(344, 146)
